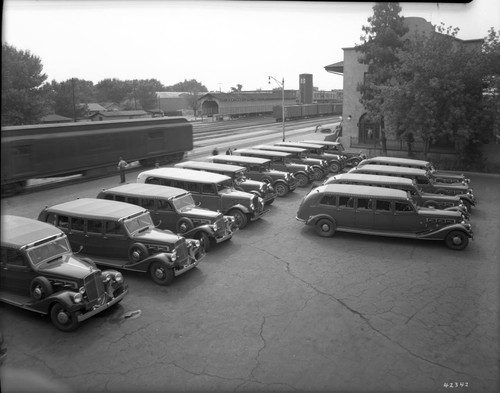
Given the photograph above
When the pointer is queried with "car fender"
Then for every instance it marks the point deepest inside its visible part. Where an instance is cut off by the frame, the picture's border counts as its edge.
(312, 220)
(162, 256)
(441, 233)
(207, 228)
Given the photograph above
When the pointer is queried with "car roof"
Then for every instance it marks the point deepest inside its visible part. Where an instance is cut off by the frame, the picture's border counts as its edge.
(96, 208)
(299, 144)
(20, 231)
(372, 178)
(146, 190)
(280, 148)
(390, 169)
(267, 153)
(389, 160)
(245, 159)
(211, 165)
(185, 174)
(363, 191)
(326, 143)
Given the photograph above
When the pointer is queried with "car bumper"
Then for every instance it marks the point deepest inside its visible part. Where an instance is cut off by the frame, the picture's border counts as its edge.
(105, 306)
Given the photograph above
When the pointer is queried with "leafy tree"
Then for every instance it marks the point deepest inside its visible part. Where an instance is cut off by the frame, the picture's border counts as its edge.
(70, 98)
(435, 94)
(491, 97)
(111, 90)
(381, 41)
(191, 86)
(23, 94)
(238, 87)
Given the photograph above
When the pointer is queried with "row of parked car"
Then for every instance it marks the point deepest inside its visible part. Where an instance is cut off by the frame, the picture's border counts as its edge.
(163, 225)
(394, 197)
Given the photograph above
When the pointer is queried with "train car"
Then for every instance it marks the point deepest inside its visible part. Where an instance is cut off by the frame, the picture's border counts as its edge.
(41, 151)
(304, 111)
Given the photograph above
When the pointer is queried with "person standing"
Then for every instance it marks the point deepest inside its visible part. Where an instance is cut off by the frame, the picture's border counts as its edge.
(228, 151)
(122, 164)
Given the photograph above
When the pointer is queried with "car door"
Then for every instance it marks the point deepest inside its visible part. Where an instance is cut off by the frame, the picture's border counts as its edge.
(209, 197)
(383, 215)
(94, 241)
(166, 213)
(363, 213)
(116, 239)
(406, 218)
(16, 273)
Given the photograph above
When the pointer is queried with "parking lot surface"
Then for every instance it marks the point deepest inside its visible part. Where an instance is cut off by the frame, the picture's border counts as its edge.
(278, 308)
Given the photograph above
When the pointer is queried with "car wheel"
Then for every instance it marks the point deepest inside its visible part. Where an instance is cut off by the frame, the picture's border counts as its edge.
(161, 273)
(240, 218)
(457, 240)
(302, 179)
(204, 240)
(62, 318)
(40, 288)
(334, 167)
(281, 189)
(184, 225)
(325, 227)
(137, 252)
(318, 174)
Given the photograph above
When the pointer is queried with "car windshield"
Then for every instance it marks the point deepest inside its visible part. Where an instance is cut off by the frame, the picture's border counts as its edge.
(139, 223)
(240, 176)
(183, 202)
(49, 250)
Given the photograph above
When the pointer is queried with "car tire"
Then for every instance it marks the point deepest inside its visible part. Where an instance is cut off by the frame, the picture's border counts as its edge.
(240, 218)
(334, 167)
(160, 273)
(281, 189)
(325, 227)
(204, 240)
(318, 174)
(63, 319)
(456, 240)
(184, 225)
(302, 180)
(137, 252)
(40, 288)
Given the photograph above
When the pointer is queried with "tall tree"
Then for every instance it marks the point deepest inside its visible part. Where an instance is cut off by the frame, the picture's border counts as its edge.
(70, 98)
(381, 41)
(23, 96)
(436, 91)
(491, 98)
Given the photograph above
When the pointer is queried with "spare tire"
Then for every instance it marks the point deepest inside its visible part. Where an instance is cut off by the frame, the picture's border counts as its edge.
(40, 288)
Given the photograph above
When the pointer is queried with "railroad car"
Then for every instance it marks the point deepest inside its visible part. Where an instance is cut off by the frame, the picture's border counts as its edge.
(294, 112)
(42, 151)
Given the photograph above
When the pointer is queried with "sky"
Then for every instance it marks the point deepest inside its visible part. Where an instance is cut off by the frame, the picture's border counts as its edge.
(219, 43)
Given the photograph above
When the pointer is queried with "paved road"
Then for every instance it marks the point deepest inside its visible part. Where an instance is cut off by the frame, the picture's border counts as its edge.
(280, 309)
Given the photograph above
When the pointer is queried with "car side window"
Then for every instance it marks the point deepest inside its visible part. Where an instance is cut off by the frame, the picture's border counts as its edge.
(402, 207)
(77, 224)
(346, 202)
(192, 187)
(330, 200)
(114, 228)
(147, 203)
(94, 226)
(62, 222)
(164, 205)
(364, 204)
(12, 257)
(133, 200)
(208, 189)
(422, 180)
(120, 198)
(110, 197)
(51, 219)
(383, 205)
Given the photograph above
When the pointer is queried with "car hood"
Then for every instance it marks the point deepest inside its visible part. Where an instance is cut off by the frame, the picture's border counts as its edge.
(452, 186)
(67, 266)
(440, 197)
(199, 212)
(235, 194)
(439, 213)
(157, 236)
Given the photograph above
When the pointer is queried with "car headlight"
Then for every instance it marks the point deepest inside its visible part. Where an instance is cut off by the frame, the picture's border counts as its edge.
(173, 256)
(77, 298)
(119, 277)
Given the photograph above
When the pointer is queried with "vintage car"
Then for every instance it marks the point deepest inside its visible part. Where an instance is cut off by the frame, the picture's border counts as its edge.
(299, 156)
(174, 209)
(423, 179)
(424, 199)
(380, 211)
(211, 191)
(282, 161)
(335, 162)
(333, 147)
(40, 273)
(123, 236)
(237, 173)
(440, 176)
(260, 169)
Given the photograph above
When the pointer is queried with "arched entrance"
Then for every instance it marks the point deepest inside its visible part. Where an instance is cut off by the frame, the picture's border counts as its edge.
(209, 108)
(368, 131)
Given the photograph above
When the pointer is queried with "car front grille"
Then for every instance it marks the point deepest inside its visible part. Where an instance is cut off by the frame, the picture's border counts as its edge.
(94, 288)
(182, 252)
